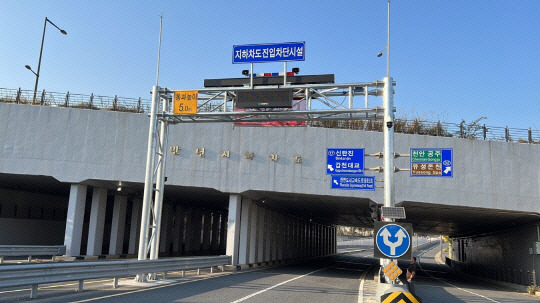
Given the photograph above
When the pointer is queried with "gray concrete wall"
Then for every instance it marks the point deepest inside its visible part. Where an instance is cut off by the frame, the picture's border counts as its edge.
(503, 256)
(31, 232)
(74, 145)
(31, 218)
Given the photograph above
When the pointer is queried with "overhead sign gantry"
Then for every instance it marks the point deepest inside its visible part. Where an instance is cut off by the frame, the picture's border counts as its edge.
(221, 104)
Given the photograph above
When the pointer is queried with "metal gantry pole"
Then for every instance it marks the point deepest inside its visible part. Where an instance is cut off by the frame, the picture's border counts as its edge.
(351, 97)
(160, 180)
(388, 105)
(285, 73)
(251, 76)
(366, 97)
(225, 101)
(148, 183)
(308, 99)
(388, 154)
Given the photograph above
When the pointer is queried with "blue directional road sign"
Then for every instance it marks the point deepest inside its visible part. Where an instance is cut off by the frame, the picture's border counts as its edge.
(353, 182)
(345, 161)
(431, 162)
(277, 52)
(393, 240)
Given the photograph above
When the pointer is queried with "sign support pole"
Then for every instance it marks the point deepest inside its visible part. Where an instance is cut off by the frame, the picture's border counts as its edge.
(388, 105)
(250, 77)
(285, 73)
(148, 184)
(158, 203)
(388, 126)
(388, 132)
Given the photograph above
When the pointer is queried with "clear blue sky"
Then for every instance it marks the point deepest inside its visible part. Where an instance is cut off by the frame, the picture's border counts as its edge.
(452, 60)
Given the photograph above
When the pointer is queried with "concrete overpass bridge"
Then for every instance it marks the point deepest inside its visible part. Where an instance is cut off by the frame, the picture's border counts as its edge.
(61, 168)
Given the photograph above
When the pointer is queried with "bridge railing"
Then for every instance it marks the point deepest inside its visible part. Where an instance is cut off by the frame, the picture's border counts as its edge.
(472, 130)
(441, 129)
(20, 96)
(35, 274)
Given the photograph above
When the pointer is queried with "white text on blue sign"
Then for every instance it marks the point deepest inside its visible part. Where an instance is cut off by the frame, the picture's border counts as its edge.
(280, 52)
(345, 161)
(353, 182)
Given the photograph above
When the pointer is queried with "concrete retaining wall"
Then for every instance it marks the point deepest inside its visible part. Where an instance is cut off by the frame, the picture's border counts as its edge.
(504, 256)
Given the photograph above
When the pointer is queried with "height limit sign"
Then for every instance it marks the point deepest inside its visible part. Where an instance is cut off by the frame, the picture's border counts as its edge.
(185, 102)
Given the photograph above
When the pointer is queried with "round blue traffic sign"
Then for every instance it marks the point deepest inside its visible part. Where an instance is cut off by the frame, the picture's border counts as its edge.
(393, 240)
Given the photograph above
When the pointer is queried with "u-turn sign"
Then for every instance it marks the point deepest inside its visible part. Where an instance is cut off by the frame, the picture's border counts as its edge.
(393, 240)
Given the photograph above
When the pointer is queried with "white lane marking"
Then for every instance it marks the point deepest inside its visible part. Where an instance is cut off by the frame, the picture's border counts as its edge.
(277, 285)
(465, 290)
(160, 286)
(479, 295)
(361, 286)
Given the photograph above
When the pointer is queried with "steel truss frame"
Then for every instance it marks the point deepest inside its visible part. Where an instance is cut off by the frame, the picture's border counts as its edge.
(217, 104)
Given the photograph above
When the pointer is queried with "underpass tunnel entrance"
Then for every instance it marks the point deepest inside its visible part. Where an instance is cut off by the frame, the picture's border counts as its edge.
(99, 217)
(268, 227)
(491, 243)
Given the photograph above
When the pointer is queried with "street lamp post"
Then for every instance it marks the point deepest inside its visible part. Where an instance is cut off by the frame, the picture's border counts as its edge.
(40, 53)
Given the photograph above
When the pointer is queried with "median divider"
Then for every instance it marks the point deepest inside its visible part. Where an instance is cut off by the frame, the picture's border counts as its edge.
(35, 274)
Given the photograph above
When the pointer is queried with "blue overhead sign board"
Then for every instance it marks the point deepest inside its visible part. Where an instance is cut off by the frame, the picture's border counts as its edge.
(277, 52)
(345, 161)
(353, 182)
(432, 162)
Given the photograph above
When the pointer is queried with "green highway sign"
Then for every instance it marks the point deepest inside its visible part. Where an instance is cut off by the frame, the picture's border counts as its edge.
(426, 155)
(431, 162)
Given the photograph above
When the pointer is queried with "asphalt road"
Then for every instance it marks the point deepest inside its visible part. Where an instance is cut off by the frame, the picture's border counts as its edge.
(435, 283)
(335, 279)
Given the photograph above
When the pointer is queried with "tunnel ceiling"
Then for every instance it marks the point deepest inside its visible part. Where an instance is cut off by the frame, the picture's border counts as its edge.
(459, 221)
(323, 209)
(35, 184)
(427, 218)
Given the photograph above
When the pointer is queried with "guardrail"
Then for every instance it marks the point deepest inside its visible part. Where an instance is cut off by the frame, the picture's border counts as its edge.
(35, 274)
(31, 250)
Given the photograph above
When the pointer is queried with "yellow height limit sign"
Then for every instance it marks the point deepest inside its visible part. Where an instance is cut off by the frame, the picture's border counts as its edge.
(185, 102)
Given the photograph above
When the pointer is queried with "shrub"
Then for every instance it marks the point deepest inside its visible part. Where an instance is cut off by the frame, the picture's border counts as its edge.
(533, 289)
